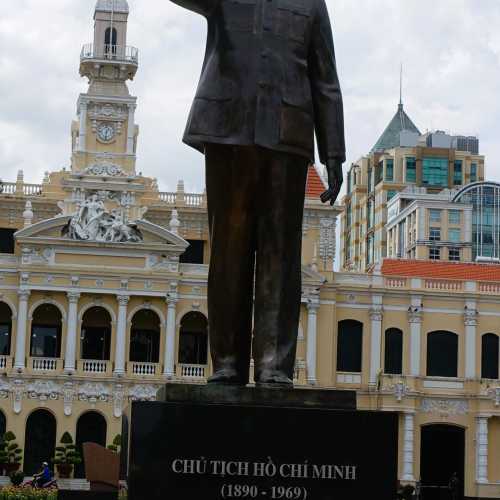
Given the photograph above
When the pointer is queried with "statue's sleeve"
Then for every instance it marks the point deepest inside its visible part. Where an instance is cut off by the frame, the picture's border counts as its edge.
(203, 7)
(325, 86)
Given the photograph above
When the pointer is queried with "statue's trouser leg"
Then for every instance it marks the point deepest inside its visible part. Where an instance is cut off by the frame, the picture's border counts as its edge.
(231, 180)
(278, 277)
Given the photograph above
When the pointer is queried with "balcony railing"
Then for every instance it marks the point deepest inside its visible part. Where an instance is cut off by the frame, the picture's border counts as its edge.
(21, 189)
(5, 362)
(150, 369)
(118, 53)
(44, 364)
(183, 199)
(94, 366)
(193, 371)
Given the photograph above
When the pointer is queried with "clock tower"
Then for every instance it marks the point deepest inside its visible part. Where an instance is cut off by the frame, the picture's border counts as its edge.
(105, 135)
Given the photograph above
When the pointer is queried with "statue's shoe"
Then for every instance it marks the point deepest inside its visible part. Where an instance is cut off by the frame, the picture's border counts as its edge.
(226, 376)
(273, 380)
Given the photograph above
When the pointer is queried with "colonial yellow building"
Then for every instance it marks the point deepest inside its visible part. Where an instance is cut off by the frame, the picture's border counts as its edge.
(103, 300)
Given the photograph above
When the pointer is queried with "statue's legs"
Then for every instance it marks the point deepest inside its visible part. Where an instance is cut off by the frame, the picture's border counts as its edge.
(278, 276)
(255, 206)
(231, 181)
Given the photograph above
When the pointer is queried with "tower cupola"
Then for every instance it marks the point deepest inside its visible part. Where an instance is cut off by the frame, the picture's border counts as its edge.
(109, 55)
(105, 134)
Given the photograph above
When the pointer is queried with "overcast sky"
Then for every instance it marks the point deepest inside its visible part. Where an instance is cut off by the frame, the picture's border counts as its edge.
(450, 50)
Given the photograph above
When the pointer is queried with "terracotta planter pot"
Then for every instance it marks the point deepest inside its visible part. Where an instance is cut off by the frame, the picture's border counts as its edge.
(64, 470)
(11, 467)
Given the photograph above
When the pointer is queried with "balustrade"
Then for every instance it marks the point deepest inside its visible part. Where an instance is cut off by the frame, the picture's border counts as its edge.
(395, 282)
(145, 368)
(44, 364)
(445, 285)
(488, 287)
(193, 371)
(4, 362)
(94, 366)
(185, 199)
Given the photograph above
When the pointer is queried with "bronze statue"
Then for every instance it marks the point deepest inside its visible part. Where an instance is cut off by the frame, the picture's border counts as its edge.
(269, 80)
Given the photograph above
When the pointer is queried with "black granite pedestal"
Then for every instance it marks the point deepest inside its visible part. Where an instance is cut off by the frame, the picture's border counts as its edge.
(212, 442)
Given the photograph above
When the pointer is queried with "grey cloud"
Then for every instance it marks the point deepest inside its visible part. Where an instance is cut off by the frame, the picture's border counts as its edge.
(450, 50)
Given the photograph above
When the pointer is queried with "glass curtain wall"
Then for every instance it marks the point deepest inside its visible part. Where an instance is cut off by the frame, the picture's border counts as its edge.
(485, 200)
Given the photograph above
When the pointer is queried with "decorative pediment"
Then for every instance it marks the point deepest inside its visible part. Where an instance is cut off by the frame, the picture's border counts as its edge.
(53, 231)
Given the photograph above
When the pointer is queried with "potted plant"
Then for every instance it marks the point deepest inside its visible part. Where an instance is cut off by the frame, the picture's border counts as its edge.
(66, 456)
(116, 445)
(17, 477)
(10, 453)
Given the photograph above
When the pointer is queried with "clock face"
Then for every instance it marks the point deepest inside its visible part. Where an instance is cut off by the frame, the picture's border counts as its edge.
(106, 132)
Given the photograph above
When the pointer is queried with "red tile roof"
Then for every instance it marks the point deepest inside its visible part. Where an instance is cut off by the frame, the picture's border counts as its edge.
(315, 185)
(443, 270)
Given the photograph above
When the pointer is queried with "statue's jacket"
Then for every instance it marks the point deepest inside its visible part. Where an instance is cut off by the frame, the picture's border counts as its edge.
(269, 78)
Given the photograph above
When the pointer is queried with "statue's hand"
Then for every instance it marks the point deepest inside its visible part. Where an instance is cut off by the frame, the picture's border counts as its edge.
(335, 180)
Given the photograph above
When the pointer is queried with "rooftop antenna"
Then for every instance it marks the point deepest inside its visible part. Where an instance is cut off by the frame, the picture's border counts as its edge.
(111, 27)
(401, 86)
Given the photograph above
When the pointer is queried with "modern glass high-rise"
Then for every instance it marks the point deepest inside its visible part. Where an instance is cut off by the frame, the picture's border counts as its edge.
(485, 199)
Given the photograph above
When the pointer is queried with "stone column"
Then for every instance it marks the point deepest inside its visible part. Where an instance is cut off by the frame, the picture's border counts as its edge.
(312, 340)
(482, 449)
(131, 129)
(22, 321)
(169, 356)
(415, 320)
(82, 139)
(376, 316)
(470, 322)
(408, 446)
(71, 333)
(121, 334)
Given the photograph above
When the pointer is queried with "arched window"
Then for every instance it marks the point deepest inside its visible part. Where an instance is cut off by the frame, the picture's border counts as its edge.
(96, 334)
(393, 351)
(193, 339)
(5, 329)
(349, 346)
(442, 354)
(489, 356)
(46, 332)
(90, 428)
(110, 41)
(145, 337)
(40, 440)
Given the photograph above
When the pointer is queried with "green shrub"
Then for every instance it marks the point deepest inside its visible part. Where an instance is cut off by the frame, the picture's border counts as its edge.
(67, 453)
(10, 453)
(17, 477)
(117, 442)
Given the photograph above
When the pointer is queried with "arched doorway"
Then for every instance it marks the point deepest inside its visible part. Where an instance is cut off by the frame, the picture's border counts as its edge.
(40, 440)
(145, 337)
(5, 329)
(96, 334)
(442, 455)
(46, 328)
(90, 428)
(193, 339)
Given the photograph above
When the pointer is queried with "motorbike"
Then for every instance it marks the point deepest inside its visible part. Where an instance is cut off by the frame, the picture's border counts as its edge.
(36, 484)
